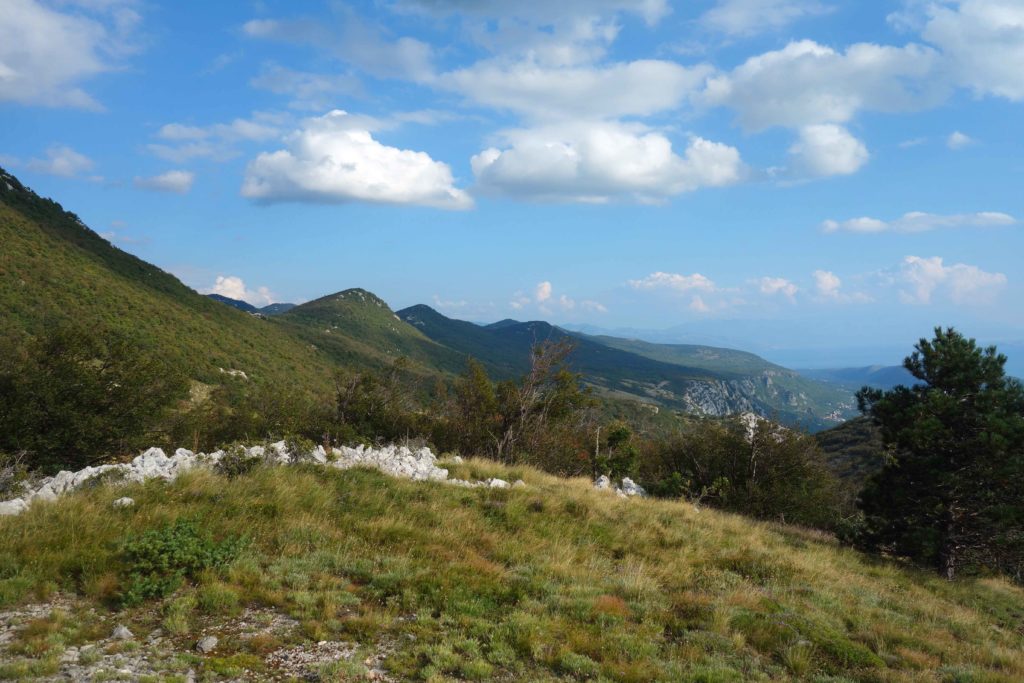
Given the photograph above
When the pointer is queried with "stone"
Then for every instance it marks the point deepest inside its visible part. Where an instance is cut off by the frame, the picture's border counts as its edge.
(13, 507)
(207, 644)
(498, 484)
(122, 633)
(457, 460)
(631, 488)
(125, 502)
(518, 484)
(603, 483)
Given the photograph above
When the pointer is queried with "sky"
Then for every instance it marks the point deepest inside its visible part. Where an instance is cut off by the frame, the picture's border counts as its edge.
(821, 181)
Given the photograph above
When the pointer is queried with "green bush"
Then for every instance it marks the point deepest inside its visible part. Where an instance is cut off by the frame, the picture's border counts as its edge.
(236, 462)
(158, 562)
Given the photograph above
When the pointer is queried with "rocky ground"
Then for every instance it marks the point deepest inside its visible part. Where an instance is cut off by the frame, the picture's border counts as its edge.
(257, 645)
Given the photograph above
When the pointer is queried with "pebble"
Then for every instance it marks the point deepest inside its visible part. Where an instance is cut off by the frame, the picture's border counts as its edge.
(207, 644)
(122, 633)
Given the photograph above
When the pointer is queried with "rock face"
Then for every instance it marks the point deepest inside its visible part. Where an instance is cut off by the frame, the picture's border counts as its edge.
(396, 461)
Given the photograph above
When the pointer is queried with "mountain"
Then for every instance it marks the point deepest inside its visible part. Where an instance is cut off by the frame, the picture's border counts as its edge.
(786, 393)
(234, 303)
(853, 450)
(876, 376)
(702, 380)
(356, 327)
(271, 309)
(54, 269)
(276, 309)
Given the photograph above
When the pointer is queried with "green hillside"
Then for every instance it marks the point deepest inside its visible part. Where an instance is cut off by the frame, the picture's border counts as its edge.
(854, 450)
(552, 581)
(355, 327)
(54, 269)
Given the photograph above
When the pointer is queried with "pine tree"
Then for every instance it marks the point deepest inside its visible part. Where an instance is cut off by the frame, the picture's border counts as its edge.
(952, 492)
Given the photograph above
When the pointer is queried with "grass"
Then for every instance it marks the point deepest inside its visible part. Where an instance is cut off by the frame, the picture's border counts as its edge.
(553, 581)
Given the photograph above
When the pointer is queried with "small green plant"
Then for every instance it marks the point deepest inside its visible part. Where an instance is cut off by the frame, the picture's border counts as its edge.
(236, 462)
(158, 562)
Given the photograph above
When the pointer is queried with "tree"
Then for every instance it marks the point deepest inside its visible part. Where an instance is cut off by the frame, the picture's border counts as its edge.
(75, 396)
(952, 492)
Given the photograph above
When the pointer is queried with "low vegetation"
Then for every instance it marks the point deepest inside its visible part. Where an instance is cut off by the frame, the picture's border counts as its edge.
(553, 581)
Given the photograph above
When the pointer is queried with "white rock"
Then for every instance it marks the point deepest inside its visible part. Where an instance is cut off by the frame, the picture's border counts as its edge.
(518, 484)
(125, 502)
(631, 488)
(13, 507)
(603, 483)
(498, 484)
(122, 633)
(457, 460)
(207, 644)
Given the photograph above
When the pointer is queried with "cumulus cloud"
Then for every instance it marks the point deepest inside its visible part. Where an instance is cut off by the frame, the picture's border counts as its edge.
(805, 83)
(750, 17)
(771, 286)
(958, 140)
(922, 278)
(675, 282)
(919, 221)
(61, 160)
(332, 160)
(234, 287)
(179, 182)
(600, 162)
(638, 88)
(982, 42)
(45, 54)
(826, 150)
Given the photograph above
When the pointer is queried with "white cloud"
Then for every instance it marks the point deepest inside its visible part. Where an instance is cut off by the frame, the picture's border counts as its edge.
(600, 162)
(919, 221)
(309, 91)
(827, 284)
(218, 141)
(355, 42)
(330, 161)
(958, 140)
(806, 83)
(826, 150)
(63, 161)
(964, 284)
(593, 306)
(674, 282)
(543, 292)
(982, 43)
(234, 287)
(553, 33)
(45, 54)
(750, 17)
(913, 142)
(638, 88)
(770, 286)
(179, 182)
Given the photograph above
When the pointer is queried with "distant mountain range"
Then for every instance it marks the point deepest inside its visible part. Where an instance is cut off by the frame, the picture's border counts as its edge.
(210, 336)
(876, 376)
(272, 309)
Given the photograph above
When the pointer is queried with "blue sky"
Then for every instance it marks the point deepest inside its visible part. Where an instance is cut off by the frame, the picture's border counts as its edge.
(789, 176)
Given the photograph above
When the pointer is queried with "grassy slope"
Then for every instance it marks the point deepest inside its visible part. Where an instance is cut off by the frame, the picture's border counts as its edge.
(550, 582)
(53, 268)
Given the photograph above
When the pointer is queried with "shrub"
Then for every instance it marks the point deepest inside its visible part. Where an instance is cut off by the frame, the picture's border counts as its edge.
(158, 562)
(236, 462)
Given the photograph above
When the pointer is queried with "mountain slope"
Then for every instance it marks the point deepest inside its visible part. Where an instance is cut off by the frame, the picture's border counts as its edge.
(356, 327)
(877, 376)
(551, 581)
(54, 269)
(707, 381)
(234, 303)
(787, 392)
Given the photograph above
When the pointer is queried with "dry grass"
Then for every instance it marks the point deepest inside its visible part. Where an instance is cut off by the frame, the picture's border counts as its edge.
(553, 581)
